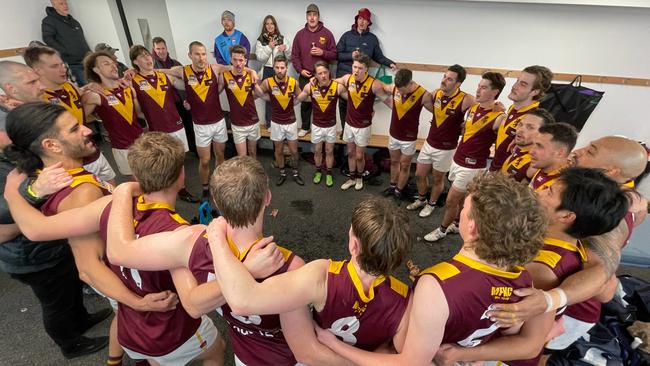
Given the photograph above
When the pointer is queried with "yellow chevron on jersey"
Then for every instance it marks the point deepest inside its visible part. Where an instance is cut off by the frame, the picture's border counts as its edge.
(200, 88)
(324, 101)
(78, 179)
(126, 109)
(354, 276)
(156, 93)
(239, 92)
(486, 268)
(282, 98)
(548, 183)
(472, 126)
(356, 93)
(548, 257)
(518, 162)
(50, 96)
(439, 111)
(502, 133)
(442, 270)
(402, 106)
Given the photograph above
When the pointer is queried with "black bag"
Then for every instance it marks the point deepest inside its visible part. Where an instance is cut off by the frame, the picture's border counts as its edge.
(571, 103)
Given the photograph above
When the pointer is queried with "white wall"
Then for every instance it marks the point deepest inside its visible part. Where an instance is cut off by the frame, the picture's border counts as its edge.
(155, 11)
(566, 38)
(18, 31)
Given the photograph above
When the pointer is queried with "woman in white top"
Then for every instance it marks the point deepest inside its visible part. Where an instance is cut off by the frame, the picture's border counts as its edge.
(269, 44)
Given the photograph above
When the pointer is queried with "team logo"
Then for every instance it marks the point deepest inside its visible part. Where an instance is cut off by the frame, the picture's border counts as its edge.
(321, 40)
(453, 104)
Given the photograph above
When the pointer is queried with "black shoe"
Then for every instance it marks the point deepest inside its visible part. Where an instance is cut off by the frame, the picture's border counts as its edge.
(96, 318)
(187, 196)
(390, 191)
(281, 179)
(298, 179)
(85, 346)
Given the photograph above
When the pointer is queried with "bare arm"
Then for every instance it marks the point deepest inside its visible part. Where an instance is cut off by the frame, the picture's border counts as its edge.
(423, 337)
(196, 299)
(379, 89)
(175, 71)
(298, 330)
(427, 101)
(468, 101)
(90, 101)
(305, 285)
(303, 96)
(498, 122)
(261, 91)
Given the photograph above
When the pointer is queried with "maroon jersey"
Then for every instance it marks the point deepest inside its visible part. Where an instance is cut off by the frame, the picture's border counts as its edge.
(362, 320)
(470, 287)
(323, 100)
(629, 221)
(149, 332)
(255, 339)
(361, 100)
(448, 117)
(542, 180)
(202, 88)
(156, 96)
(405, 117)
(79, 176)
(474, 149)
(282, 94)
(117, 112)
(507, 132)
(517, 164)
(239, 90)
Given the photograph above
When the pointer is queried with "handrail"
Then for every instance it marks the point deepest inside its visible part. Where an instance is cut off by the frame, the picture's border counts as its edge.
(11, 52)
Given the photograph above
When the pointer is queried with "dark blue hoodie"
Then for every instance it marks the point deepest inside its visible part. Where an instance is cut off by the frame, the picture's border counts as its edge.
(366, 42)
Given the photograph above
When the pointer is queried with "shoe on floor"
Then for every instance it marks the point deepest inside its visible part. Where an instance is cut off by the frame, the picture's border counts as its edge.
(85, 346)
(348, 184)
(298, 179)
(416, 204)
(427, 211)
(96, 318)
(317, 177)
(453, 229)
(186, 196)
(303, 133)
(358, 185)
(281, 179)
(435, 235)
(389, 191)
(329, 180)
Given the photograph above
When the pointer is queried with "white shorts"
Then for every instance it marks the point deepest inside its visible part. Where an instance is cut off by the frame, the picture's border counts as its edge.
(574, 329)
(189, 350)
(239, 363)
(320, 134)
(461, 177)
(101, 168)
(120, 156)
(360, 136)
(440, 160)
(241, 134)
(206, 134)
(180, 134)
(406, 147)
(284, 132)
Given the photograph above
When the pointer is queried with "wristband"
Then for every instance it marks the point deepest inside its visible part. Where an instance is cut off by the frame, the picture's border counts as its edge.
(31, 192)
(25, 190)
(555, 299)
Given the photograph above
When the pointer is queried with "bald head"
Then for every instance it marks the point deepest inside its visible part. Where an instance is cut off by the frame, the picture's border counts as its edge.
(624, 159)
(20, 82)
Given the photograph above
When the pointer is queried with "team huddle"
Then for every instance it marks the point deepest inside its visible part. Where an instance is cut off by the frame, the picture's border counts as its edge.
(542, 224)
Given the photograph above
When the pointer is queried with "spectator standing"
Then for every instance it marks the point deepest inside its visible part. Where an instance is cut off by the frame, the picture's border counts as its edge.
(269, 44)
(230, 37)
(64, 33)
(358, 40)
(312, 44)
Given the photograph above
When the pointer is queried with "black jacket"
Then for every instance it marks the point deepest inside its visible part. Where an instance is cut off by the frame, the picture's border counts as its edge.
(20, 255)
(366, 42)
(65, 35)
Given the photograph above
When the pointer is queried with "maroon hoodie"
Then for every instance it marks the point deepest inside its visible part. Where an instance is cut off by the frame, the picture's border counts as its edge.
(321, 38)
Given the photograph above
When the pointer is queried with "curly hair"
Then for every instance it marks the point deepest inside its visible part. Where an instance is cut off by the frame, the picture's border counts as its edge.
(509, 219)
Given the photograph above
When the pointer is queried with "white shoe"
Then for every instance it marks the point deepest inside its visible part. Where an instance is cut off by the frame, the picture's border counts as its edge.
(416, 204)
(303, 133)
(358, 185)
(426, 211)
(348, 184)
(453, 229)
(435, 235)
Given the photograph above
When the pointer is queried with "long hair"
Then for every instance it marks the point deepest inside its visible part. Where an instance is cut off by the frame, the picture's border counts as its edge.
(264, 37)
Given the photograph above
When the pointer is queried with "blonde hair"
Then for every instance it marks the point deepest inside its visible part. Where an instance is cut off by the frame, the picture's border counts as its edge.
(156, 160)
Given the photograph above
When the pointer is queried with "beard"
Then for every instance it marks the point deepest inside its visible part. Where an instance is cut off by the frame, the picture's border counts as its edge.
(78, 151)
